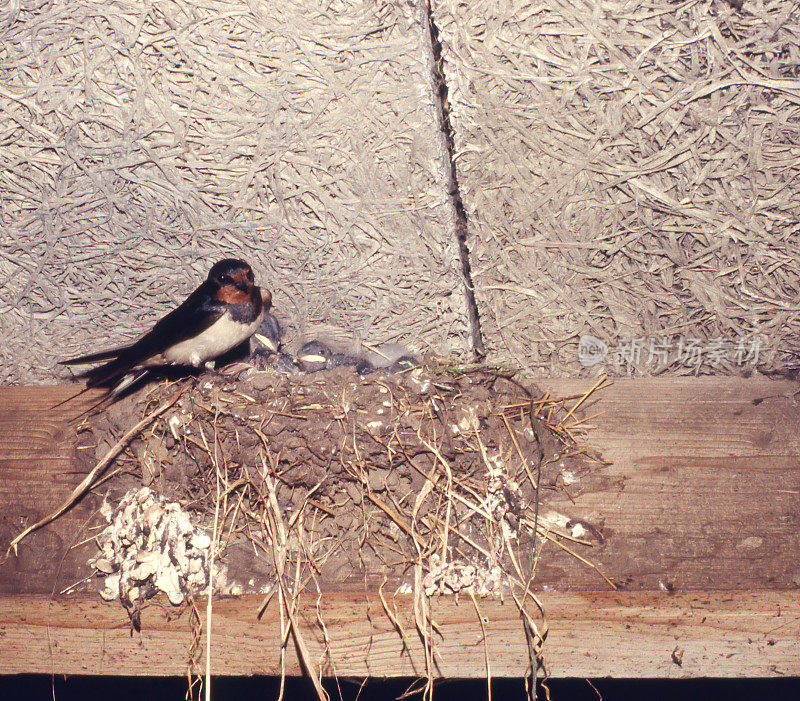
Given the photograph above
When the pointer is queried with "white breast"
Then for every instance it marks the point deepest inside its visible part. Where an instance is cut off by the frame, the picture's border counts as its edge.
(221, 336)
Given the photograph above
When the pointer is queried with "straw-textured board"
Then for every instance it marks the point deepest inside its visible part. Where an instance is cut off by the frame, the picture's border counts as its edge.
(630, 172)
(142, 141)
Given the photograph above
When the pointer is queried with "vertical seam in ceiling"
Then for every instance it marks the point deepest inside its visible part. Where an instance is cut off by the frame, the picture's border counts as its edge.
(461, 222)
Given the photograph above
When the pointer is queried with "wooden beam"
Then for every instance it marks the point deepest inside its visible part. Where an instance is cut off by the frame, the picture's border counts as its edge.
(702, 500)
(641, 634)
(37, 473)
(708, 475)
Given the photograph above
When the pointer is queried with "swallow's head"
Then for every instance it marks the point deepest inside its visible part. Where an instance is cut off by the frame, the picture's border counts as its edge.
(268, 335)
(233, 281)
(313, 356)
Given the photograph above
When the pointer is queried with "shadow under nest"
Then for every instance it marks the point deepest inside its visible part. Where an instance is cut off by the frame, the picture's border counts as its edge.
(441, 479)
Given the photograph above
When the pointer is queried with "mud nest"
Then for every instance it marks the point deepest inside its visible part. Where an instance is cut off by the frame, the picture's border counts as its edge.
(439, 478)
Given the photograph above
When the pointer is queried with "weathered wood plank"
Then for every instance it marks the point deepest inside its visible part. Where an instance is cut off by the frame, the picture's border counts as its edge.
(709, 475)
(713, 634)
(37, 447)
(704, 499)
(714, 417)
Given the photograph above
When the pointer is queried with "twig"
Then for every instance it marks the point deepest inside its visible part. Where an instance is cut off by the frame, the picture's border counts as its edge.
(214, 543)
(278, 535)
(485, 646)
(392, 615)
(597, 385)
(392, 514)
(582, 559)
(88, 481)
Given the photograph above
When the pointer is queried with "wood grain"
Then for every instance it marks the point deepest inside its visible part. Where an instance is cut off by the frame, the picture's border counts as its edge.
(37, 447)
(703, 500)
(742, 634)
(709, 481)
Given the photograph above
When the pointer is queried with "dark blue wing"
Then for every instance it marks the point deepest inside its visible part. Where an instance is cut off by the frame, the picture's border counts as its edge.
(191, 318)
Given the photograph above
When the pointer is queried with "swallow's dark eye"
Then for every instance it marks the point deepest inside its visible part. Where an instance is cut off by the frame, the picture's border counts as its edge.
(226, 279)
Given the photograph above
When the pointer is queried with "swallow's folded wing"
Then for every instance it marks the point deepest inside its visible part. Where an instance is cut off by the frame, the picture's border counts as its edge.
(191, 318)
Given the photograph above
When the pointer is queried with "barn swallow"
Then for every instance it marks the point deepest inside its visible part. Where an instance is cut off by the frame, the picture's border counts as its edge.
(278, 362)
(283, 363)
(403, 364)
(267, 349)
(268, 335)
(219, 315)
(361, 366)
(391, 357)
(386, 354)
(313, 356)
